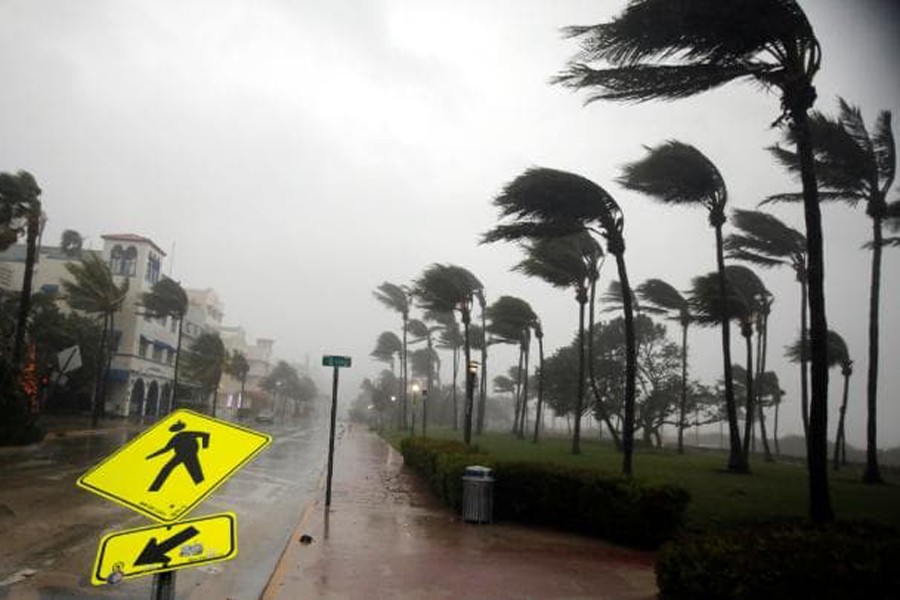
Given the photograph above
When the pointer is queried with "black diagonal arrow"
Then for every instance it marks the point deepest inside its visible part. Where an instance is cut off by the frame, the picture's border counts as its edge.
(155, 552)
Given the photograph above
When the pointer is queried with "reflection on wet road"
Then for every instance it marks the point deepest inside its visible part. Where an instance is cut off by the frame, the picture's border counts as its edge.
(50, 528)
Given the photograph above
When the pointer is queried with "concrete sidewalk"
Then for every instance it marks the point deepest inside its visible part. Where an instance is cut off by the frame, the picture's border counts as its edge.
(386, 536)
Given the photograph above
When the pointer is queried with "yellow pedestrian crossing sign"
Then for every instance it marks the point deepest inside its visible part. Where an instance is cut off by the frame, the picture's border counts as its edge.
(173, 466)
(137, 552)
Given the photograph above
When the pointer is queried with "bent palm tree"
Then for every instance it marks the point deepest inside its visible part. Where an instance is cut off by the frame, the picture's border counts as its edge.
(238, 367)
(678, 173)
(661, 297)
(71, 242)
(547, 203)
(444, 289)
(205, 362)
(386, 348)
(20, 195)
(396, 298)
(659, 49)
(94, 291)
(855, 166)
(168, 299)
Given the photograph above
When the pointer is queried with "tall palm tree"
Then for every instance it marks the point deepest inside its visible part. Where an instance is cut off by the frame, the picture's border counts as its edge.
(678, 173)
(566, 262)
(546, 203)
(767, 242)
(448, 288)
(855, 166)
(838, 356)
(387, 347)
(71, 242)
(743, 292)
(659, 49)
(168, 299)
(94, 291)
(396, 298)
(205, 362)
(20, 195)
(238, 367)
(660, 297)
(539, 335)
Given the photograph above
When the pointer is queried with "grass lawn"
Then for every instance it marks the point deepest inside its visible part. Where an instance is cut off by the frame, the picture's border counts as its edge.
(717, 497)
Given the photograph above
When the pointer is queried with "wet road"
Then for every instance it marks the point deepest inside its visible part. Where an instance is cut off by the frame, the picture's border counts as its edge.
(50, 529)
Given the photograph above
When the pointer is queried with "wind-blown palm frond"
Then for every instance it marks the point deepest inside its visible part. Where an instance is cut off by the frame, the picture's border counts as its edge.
(838, 353)
(742, 288)
(614, 297)
(93, 289)
(167, 298)
(387, 347)
(394, 297)
(658, 49)
(676, 173)
(766, 241)
(660, 297)
(562, 262)
(442, 288)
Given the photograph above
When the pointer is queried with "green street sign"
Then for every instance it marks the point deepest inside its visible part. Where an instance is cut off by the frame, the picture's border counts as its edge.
(335, 361)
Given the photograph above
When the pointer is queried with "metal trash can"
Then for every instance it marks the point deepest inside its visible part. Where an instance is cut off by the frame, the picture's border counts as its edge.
(478, 495)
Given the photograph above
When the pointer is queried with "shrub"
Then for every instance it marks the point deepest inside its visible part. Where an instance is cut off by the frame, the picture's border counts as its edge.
(582, 500)
(784, 559)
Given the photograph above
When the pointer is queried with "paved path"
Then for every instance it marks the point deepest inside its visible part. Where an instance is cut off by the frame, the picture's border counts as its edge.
(386, 536)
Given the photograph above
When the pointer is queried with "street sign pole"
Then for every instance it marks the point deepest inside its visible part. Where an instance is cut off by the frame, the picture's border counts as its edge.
(334, 391)
(163, 586)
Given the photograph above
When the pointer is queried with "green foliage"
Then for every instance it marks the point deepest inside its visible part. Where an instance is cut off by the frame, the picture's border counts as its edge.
(18, 426)
(784, 559)
(584, 500)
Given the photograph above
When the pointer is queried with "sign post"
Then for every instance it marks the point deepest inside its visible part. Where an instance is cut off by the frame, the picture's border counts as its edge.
(336, 362)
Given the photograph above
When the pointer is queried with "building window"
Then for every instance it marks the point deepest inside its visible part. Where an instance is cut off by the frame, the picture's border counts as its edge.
(157, 353)
(152, 274)
(142, 348)
(116, 340)
(122, 262)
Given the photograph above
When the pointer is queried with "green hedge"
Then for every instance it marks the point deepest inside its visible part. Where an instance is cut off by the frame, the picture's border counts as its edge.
(582, 500)
(788, 560)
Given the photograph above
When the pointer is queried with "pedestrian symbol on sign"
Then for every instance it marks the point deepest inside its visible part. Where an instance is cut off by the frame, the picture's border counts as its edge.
(186, 447)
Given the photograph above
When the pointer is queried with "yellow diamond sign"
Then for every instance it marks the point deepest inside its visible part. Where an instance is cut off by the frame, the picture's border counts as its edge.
(137, 552)
(173, 466)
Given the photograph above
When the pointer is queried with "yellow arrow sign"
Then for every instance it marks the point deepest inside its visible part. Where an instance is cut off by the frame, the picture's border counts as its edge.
(138, 552)
(173, 466)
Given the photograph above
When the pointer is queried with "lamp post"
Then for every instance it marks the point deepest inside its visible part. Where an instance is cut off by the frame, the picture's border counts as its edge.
(412, 421)
(471, 375)
(394, 417)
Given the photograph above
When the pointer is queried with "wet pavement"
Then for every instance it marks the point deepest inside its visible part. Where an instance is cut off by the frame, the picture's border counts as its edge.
(386, 536)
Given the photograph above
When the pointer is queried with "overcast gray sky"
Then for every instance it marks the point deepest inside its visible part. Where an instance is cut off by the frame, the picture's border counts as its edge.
(295, 154)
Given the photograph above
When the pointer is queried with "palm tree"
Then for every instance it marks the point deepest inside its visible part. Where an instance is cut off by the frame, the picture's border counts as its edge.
(660, 297)
(71, 242)
(855, 166)
(548, 203)
(657, 49)
(450, 338)
(20, 197)
(396, 298)
(94, 291)
(511, 320)
(238, 367)
(566, 262)
(678, 173)
(387, 347)
(838, 356)
(767, 242)
(448, 288)
(427, 358)
(205, 362)
(742, 300)
(168, 299)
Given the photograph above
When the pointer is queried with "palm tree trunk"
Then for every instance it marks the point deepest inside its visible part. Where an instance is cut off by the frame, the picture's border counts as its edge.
(683, 404)
(524, 415)
(455, 386)
(33, 227)
(98, 384)
(482, 386)
(762, 350)
(804, 369)
(470, 382)
(817, 458)
(630, 366)
(404, 373)
(172, 404)
(598, 399)
(748, 408)
(872, 473)
(540, 398)
(579, 400)
(840, 441)
(517, 407)
(736, 460)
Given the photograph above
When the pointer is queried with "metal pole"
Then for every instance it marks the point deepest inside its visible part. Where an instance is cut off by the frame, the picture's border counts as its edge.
(334, 390)
(163, 586)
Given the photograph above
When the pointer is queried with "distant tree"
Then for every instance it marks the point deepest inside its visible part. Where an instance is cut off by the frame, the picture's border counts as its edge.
(168, 299)
(387, 347)
(205, 362)
(396, 298)
(94, 291)
(238, 367)
(71, 242)
(660, 297)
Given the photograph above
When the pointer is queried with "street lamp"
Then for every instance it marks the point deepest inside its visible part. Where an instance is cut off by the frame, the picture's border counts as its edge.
(471, 375)
(424, 411)
(412, 422)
